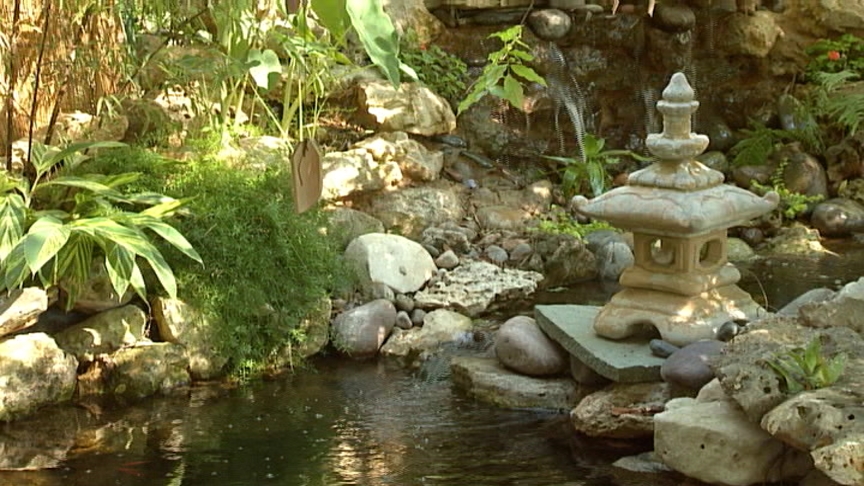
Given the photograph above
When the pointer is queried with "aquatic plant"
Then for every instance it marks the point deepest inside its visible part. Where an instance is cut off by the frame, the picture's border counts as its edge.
(807, 368)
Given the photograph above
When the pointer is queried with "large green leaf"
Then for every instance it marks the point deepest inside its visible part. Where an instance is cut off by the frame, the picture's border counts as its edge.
(378, 36)
(74, 263)
(333, 16)
(13, 216)
(53, 158)
(119, 263)
(171, 235)
(81, 183)
(266, 69)
(15, 270)
(42, 242)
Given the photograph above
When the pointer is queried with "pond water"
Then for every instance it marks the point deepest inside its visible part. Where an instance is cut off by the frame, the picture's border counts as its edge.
(341, 422)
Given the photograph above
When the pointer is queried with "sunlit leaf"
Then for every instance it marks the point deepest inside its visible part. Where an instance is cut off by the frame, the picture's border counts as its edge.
(266, 68)
(378, 36)
(13, 216)
(42, 242)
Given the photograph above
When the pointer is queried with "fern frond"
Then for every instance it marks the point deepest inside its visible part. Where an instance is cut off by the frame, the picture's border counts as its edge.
(832, 81)
(847, 110)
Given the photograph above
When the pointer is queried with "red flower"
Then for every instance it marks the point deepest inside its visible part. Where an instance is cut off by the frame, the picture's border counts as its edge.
(422, 47)
(833, 56)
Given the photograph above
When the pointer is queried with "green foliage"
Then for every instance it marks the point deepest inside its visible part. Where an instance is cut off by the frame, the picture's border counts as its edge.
(441, 71)
(576, 174)
(845, 53)
(54, 226)
(266, 266)
(557, 221)
(837, 104)
(505, 72)
(791, 203)
(760, 142)
(807, 368)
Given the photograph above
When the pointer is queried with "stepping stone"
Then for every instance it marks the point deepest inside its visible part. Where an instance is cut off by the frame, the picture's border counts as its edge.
(625, 361)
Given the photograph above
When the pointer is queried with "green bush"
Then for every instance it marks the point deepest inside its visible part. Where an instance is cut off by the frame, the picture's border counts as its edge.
(264, 267)
(442, 72)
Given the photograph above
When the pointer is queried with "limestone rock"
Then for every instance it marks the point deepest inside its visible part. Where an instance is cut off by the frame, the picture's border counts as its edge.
(621, 410)
(413, 108)
(415, 161)
(439, 326)
(345, 224)
(810, 297)
(522, 346)
(715, 443)
(752, 35)
(488, 381)
(566, 260)
(36, 372)
(105, 332)
(843, 310)
(411, 210)
(477, 287)
(355, 171)
(393, 260)
(146, 369)
(265, 152)
(689, 367)
(20, 308)
(360, 332)
(180, 323)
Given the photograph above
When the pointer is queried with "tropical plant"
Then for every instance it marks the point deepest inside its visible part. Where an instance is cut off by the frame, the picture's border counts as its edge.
(441, 71)
(506, 71)
(807, 368)
(52, 227)
(578, 176)
(845, 53)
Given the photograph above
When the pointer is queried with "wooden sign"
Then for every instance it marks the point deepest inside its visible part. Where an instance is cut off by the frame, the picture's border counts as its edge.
(306, 174)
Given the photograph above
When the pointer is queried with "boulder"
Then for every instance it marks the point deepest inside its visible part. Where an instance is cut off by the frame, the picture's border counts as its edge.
(97, 294)
(612, 259)
(523, 347)
(439, 326)
(838, 217)
(36, 372)
(810, 297)
(566, 260)
(356, 171)
(477, 287)
(550, 24)
(413, 108)
(621, 410)
(105, 332)
(180, 323)
(360, 332)
(689, 367)
(751, 35)
(487, 380)
(714, 442)
(843, 310)
(415, 160)
(345, 224)
(20, 309)
(410, 210)
(146, 369)
(401, 264)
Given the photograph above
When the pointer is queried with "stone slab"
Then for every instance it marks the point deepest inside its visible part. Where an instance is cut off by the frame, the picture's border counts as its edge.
(624, 361)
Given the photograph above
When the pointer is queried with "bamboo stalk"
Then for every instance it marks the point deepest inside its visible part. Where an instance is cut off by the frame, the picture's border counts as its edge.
(35, 101)
(13, 68)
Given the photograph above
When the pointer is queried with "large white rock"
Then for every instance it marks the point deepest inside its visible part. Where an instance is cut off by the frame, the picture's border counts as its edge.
(413, 108)
(360, 332)
(439, 326)
(33, 372)
(524, 348)
(181, 323)
(715, 443)
(402, 264)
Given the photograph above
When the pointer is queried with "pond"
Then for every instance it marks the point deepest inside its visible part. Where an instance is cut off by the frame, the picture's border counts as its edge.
(341, 422)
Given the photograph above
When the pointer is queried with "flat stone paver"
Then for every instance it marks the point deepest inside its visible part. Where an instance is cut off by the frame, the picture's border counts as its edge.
(624, 361)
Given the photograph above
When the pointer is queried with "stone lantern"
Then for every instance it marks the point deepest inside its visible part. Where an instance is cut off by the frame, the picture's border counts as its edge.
(678, 211)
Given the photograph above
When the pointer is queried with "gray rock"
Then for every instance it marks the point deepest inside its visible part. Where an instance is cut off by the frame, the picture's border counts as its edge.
(838, 217)
(502, 217)
(356, 171)
(714, 442)
(810, 297)
(105, 332)
(549, 24)
(714, 159)
(661, 348)
(98, 294)
(673, 18)
(401, 264)
(843, 310)
(404, 303)
(496, 254)
(181, 323)
(418, 316)
(36, 372)
(522, 346)
(447, 260)
(403, 320)
(360, 332)
(439, 326)
(415, 161)
(476, 287)
(737, 250)
(566, 260)
(455, 239)
(584, 374)
(689, 367)
(646, 462)
(751, 35)
(621, 410)
(520, 252)
(487, 380)
(612, 259)
(345, 224)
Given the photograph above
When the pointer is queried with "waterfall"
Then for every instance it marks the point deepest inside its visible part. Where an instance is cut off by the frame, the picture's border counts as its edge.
(566, 92)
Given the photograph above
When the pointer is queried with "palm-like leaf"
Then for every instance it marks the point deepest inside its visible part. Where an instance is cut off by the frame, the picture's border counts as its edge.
(13, 216)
